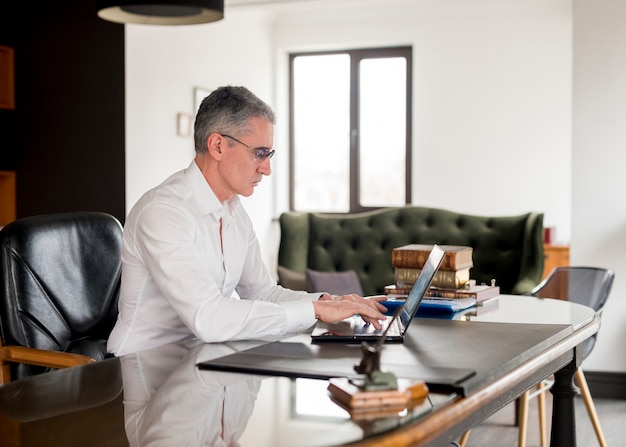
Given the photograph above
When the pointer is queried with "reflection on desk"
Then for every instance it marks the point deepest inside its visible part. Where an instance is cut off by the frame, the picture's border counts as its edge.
(169, 402)
(160, 398)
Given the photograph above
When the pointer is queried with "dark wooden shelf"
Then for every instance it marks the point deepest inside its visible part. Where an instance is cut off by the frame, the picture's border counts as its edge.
(7, 197)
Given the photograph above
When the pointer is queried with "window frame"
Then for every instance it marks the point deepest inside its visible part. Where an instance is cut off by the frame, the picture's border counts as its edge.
(356, 55)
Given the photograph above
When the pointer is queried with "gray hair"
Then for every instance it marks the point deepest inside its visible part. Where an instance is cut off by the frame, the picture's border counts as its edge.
(228, 110)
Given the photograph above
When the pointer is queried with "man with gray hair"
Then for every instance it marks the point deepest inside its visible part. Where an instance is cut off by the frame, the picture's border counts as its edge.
(189, 245)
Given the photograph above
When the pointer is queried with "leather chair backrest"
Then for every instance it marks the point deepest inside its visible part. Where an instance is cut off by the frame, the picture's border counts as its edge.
(589, 286)
(60, 283)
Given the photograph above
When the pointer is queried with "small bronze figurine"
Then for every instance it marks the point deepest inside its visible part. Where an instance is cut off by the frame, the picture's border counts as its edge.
(375, 379)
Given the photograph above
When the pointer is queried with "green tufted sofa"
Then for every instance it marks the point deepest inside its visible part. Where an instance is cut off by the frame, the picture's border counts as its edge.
(508, 249)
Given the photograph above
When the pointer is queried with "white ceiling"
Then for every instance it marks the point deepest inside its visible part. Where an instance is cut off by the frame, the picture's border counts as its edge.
(261, 2)
(282, 4)
(256, 3)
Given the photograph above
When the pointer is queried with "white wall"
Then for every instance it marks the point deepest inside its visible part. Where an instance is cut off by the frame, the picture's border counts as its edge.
(599, 162)
(163, 66)
(492, 100)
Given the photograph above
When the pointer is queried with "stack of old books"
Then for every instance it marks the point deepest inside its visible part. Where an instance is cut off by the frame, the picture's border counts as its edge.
(451, 284)
(454, 272)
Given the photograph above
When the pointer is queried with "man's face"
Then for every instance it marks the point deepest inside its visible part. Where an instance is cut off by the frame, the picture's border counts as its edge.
(239, 170)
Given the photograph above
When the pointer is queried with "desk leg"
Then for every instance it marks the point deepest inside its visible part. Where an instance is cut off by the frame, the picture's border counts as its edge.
(563, 415)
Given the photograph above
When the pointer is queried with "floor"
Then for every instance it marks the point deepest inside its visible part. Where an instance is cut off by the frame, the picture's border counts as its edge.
(500, 431)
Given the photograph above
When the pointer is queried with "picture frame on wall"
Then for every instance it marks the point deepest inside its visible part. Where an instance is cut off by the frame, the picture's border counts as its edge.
(183, 124)
(199, 93)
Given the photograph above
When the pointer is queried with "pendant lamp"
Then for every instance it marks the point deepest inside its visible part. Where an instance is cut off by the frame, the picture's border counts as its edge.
(161, 12)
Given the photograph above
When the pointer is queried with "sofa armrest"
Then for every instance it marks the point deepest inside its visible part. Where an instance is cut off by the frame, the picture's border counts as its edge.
(524, 286)
(531, 268)
(293, 251)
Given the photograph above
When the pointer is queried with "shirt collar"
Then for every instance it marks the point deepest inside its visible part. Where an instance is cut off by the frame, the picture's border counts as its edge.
(205, 198)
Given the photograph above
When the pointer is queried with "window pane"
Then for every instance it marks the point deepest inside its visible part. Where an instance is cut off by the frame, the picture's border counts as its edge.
(382, 118)
(321, 99)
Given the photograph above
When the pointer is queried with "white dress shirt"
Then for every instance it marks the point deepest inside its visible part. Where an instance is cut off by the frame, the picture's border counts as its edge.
(178, 282)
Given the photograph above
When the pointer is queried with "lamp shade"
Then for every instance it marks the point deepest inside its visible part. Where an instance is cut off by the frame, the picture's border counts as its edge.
(161, 12)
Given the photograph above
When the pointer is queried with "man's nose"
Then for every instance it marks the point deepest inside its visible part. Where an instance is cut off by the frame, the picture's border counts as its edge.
(265, 167)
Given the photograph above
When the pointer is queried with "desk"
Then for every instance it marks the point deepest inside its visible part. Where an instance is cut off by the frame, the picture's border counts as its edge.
(166, 396)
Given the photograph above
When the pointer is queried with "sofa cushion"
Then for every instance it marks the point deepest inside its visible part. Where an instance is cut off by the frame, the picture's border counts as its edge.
(335, 283)
(291, 279)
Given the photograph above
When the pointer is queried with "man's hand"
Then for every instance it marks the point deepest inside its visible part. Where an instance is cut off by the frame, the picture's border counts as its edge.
(332, 309)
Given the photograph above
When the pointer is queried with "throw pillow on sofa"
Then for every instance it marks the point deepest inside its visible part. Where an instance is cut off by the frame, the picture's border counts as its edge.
(335, 283)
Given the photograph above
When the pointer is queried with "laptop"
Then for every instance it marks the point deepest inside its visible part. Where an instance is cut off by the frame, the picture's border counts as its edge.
(355, 330)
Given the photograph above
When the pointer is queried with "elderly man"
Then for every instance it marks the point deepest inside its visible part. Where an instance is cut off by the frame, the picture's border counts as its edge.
(189, 245)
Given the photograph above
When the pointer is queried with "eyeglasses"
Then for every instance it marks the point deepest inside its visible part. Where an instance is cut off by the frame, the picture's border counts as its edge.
(260, 153)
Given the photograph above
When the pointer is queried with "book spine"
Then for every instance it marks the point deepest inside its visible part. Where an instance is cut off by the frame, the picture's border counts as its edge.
(480, 295)
(452, 261)
(448, 294)
(443, 278)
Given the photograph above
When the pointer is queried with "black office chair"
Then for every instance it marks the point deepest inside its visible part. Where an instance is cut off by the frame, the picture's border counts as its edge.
(590, 286)
(60, 280)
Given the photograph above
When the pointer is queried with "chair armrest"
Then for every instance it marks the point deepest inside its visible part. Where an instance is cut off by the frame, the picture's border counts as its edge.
(38, 357)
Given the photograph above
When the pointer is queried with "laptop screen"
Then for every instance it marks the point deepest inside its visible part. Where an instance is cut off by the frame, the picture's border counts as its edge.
(421, 285)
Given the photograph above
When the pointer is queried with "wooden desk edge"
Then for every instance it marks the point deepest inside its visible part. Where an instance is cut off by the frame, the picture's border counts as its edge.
(447, 420)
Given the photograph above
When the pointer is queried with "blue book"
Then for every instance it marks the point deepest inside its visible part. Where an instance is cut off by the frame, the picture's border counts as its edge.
(433, 305)
(446, 305)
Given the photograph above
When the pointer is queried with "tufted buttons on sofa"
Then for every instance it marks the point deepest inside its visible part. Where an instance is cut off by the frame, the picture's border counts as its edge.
(508, 249)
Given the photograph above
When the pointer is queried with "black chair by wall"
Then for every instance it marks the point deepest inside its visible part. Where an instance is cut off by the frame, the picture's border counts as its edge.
(60, 280)
(591, 287)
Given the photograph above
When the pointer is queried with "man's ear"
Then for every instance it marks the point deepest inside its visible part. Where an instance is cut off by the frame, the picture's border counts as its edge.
(215, 145)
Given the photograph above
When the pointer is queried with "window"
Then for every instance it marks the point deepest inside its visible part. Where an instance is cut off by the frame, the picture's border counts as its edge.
(350, 130)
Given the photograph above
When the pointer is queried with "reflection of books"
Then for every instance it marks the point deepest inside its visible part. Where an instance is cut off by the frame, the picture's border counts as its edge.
(483, 308)
(465, 314)
(354, 398)
(476, 311)
(451, 279)
(457, 257)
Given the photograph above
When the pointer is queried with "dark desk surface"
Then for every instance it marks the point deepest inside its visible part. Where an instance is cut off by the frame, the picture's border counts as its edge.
(168, 401)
